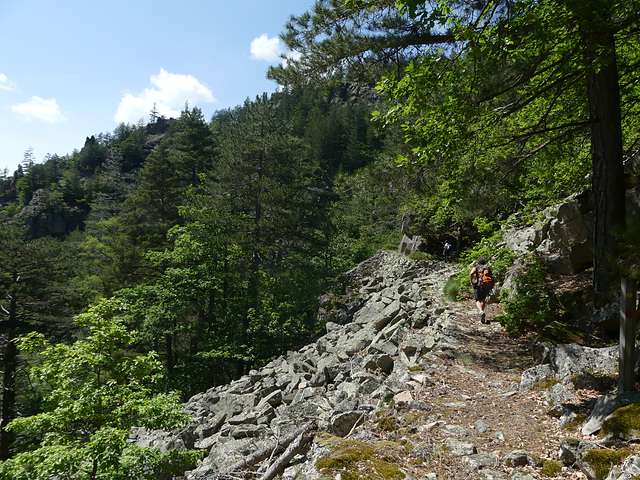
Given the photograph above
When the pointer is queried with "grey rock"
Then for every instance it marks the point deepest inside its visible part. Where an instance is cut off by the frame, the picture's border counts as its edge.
(587, 381)
(533, 375)
(520, 458)
(206, 430)
(274, 399)
(480, 460)
(522, 476)
(342, 423)
(459, 448)
(571, 450)
(247, 431)
(330, 365)
(384, 347)
(346, 405)
(455, 430)
(559, 394)
(488, 474)
(568, 417)
(629, 470)
(481, 426)
(411, 243)
(379, 363)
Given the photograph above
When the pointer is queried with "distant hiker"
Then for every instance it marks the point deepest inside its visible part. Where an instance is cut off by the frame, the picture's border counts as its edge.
(446, 252)
(482, 282)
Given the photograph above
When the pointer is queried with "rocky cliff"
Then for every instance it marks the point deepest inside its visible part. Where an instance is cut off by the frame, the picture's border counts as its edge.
(406, 385)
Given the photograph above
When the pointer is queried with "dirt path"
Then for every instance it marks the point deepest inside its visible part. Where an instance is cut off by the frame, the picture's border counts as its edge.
(476, 389)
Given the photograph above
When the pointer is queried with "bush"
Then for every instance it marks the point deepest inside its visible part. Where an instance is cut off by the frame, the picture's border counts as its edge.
(452, 289)
(532, 304)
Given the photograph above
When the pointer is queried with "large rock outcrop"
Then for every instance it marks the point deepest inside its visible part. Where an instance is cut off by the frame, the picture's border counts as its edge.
(365, 356)
(42, 219)
(563, 237)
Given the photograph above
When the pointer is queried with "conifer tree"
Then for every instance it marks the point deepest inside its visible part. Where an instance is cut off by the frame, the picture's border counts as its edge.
(34, 296)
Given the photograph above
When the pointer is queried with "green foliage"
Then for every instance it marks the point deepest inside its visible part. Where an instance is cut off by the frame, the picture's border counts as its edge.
(532, 304)
(94, 392)
(628, 261)
(452, 289)
(366, 214)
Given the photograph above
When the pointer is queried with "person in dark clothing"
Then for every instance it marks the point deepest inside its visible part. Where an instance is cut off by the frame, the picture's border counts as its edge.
(480, 290)
(446, 252)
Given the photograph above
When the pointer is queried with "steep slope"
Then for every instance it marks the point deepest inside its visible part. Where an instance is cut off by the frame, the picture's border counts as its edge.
(403, 385)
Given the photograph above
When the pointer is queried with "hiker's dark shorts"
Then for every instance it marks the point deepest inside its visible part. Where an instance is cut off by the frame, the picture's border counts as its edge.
(480, 294)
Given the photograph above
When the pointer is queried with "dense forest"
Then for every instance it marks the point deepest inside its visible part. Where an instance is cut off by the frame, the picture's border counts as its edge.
(170, 256)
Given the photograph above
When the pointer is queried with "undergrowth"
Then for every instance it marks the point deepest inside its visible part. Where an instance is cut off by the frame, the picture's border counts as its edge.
(531, 305)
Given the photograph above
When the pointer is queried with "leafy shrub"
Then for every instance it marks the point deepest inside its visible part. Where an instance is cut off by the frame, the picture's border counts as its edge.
(532, 304)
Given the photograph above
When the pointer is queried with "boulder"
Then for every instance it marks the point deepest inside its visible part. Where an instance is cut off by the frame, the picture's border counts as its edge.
(629, 470)
(604, 407)
(411, 243)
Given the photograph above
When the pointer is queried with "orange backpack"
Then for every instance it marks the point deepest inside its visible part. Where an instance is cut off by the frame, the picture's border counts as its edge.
(485, 279)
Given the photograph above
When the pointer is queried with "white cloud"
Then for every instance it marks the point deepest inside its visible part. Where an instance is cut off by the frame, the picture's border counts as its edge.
(168, 91)
(292, 56)
(265, 48)
(39, 109)
(5, 84)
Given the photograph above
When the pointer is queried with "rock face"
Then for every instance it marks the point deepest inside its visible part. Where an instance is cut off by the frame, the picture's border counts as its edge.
(41, 220)
(563, 237)
(365, 356)
(411, 243)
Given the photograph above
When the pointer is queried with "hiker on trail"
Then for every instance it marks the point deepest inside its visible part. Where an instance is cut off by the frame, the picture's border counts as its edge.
(482, 282)
(446, 253)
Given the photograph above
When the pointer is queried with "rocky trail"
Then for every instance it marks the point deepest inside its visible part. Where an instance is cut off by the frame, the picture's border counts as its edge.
(405, 385)
(482, 412)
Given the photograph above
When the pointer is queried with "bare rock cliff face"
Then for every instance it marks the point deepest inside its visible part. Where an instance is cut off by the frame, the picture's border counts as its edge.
(42, 220)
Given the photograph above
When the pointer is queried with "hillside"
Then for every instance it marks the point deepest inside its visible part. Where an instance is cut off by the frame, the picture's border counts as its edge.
(402, 385)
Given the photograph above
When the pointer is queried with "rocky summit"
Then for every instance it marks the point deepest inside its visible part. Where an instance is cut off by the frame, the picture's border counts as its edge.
(405, 385)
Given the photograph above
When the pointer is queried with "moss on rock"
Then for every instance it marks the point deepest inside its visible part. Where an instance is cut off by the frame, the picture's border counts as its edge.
(624, 423)
(357, 460)
(551, 468)
(601, 460)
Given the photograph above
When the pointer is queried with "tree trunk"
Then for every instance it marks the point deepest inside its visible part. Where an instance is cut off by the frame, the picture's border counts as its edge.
(608, 172)
(170, 360)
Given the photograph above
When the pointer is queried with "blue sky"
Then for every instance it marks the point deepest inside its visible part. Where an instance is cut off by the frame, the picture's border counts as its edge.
(71, 69)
